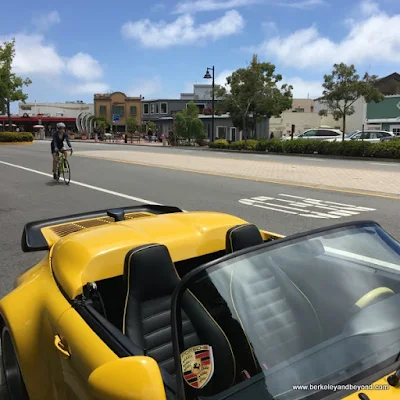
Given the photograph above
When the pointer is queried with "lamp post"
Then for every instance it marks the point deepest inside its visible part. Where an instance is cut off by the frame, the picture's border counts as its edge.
(208, 76)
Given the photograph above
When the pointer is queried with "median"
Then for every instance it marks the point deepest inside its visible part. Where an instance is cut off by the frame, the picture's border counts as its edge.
(16, 138)
(356, 149)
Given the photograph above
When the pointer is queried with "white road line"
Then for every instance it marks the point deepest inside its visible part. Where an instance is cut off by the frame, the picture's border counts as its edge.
(268, 208)
(313, 159)
(125, 196)
(385, 164)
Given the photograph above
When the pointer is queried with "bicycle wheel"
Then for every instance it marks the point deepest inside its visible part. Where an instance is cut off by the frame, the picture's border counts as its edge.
(66, 171)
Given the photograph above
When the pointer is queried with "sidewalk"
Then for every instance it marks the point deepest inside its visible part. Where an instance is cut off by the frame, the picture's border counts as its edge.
(384, 182)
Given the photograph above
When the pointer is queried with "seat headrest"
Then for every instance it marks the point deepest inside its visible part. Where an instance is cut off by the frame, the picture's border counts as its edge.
(242, 236)
(150, 272)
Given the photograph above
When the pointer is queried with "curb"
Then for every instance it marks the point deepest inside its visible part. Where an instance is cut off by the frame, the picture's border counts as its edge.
(15, 143)
(324, 156)
(394, 160)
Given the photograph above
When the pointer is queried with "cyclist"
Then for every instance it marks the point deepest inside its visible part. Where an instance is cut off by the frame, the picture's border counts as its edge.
(57, 145)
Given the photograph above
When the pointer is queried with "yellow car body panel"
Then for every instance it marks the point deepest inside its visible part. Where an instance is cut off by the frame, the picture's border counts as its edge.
(98, 253)
(37, 312)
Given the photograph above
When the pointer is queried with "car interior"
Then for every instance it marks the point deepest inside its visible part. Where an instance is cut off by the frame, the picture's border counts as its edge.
(132, 312)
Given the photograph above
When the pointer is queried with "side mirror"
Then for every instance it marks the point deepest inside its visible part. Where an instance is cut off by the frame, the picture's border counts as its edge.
(134, 378)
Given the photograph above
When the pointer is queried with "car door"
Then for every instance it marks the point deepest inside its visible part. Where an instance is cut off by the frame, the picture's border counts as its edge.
(80, 351)
(309, 134)
(374, 137)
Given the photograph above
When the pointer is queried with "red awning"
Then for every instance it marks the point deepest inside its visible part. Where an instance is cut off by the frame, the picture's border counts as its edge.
(17, 119)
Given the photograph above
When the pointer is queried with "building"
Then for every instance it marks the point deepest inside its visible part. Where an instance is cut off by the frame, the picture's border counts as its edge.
(118, 104)
(302, 106)
(69, 109)
(353, 122)
(386, 114)
(161, 112)
(200, 92)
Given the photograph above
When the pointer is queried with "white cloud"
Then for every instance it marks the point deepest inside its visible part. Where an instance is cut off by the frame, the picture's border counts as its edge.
(191, 7)
(303, 89)
(374, 38)
(182, 31)
(302, 4)
(33, 56)
(45, 21)
(90, 88)
(147, 88)
(41, 61)
(84, 66)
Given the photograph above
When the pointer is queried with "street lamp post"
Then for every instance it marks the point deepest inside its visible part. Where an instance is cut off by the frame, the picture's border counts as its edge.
(208, 76)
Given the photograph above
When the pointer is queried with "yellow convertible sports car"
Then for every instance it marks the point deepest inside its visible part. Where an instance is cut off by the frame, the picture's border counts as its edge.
(154, 303)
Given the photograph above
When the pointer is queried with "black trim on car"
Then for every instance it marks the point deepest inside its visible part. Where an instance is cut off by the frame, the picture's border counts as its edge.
(34, 240)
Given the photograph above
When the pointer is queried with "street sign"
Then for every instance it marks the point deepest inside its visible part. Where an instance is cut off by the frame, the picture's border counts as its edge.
(115, 118)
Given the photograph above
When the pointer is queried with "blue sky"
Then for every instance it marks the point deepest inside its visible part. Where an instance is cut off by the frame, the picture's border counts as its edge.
(160, 48)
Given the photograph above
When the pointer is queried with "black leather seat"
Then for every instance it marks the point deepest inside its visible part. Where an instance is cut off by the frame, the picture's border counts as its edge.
(242, 236)
(280, 320)
(151, 278)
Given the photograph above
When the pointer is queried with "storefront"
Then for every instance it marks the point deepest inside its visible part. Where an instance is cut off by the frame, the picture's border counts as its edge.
(25, 123)
(384, 115)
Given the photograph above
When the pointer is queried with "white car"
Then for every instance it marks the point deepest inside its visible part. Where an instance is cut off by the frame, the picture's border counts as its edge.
(372, 136)
(317, 134)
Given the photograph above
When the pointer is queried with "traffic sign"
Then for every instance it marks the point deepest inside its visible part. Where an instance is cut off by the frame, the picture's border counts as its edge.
(115, 118)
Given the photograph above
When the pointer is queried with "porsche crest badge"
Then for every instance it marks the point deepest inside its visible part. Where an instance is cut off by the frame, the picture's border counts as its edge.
(197, 365)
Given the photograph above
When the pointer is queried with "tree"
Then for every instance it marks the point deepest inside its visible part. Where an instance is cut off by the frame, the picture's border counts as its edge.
(254, 93)
(152, 125)
(101, 124)
(188, 125)
(11, 85)
(343, 87)
(131, 124)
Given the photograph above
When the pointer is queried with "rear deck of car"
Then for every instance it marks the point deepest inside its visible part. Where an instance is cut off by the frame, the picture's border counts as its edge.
(98, 253)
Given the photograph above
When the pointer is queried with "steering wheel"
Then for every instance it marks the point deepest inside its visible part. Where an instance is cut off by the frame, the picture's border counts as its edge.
(372, 297)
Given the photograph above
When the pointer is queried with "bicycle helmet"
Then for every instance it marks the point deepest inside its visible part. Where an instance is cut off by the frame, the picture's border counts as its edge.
(60, 125)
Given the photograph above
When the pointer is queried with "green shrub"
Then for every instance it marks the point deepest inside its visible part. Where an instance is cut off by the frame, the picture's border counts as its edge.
(272, 145)
(219, 144)
(242, 145)
(238, 145)
(390, 149)
(11, 137)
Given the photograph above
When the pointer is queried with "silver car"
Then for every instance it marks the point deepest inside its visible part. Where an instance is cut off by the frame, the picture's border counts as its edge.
(372, 136)
(317, 134)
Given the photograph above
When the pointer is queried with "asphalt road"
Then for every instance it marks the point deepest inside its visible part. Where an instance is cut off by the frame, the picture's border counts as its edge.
(300, 160)
(30, 194)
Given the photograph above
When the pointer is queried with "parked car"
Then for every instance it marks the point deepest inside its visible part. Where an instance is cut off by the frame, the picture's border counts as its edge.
(317, 134)
(372, 136)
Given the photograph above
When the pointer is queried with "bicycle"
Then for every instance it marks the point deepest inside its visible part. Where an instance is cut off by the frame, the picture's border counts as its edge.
(63, 167)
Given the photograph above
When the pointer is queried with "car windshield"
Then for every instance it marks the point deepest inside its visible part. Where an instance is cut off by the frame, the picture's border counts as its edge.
(349, 135)
(321, 308)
